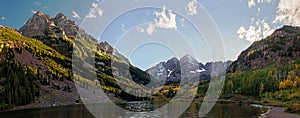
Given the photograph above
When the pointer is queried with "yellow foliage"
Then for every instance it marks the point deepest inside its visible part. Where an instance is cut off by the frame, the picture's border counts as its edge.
(295, 84)
(281, 85)
(289, 83)
(289, 77)
(165, 91)
(250, 52)
(176, 89)
(2, 46)
(297, 80)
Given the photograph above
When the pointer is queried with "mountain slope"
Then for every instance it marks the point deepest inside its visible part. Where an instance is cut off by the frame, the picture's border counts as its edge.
(58, 33)
(269, 69)
(45, 60)
(281, 47)
(30, 70)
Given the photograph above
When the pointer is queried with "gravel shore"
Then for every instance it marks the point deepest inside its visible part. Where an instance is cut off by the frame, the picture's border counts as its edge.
(278, 112)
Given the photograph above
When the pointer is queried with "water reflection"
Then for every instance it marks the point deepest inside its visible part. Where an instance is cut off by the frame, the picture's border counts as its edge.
(74, 111)
(79, 111)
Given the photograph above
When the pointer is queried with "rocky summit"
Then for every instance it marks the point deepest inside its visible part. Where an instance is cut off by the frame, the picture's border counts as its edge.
(58, 33)
(40, 24)
(36, 25)
(66, 24)
(187, 67)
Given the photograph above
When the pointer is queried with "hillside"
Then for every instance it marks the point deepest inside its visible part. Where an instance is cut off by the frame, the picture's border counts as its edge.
(279, 48)
(36, 65)
(58, 33)
(30, 69)
(269, 70)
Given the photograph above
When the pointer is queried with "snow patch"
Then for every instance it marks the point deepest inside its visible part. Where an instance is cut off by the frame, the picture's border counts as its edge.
(160, 73)
(199, 71)
(193, 72)
(169, 73)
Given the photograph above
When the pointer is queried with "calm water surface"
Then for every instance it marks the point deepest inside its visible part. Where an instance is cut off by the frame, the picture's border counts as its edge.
(79, 111)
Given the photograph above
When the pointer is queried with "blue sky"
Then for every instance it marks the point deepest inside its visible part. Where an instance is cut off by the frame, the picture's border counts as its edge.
(239, 22)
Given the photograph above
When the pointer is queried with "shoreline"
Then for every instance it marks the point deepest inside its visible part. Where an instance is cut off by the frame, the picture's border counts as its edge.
(279, 112)
(275, 112)
(272, 112)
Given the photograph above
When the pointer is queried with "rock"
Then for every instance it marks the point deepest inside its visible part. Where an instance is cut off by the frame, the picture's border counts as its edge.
(41, 24)
(188, 68)
(36, 25)
(66, 24)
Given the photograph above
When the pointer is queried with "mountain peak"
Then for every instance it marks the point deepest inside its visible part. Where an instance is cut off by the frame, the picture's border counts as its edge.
(107, 48)
(36, 25)
(69, 26)
(39, 13)
(188, 58)
(61, 16)
(174, 59)
(39, 22)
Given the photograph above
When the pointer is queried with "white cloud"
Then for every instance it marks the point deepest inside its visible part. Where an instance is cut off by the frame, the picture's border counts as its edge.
(100, 12)
(266, 29)
(264, 1)
(140, 29)
(94, 5)
(2, 18)
(256, 32)
(191, 8)
(164, 21)
(95, 10)
(242, 32)
(258, 29)
(251, 34)
(151, 29)
(251, 3)
(288, 12)
(75, 15)
(91, 14)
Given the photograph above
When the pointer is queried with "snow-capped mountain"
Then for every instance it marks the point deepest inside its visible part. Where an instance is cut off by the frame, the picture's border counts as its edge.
(173, 70)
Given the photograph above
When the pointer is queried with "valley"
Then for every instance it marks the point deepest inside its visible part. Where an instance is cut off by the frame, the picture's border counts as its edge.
(39, 68)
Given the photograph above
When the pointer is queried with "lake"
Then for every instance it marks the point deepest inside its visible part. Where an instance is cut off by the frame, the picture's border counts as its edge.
(80, 111)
